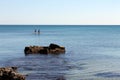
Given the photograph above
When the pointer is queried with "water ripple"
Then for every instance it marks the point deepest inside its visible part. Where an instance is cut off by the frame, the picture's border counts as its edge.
(108, 74)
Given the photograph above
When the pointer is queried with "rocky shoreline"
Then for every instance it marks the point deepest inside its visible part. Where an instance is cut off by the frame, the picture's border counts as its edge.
(10, 73)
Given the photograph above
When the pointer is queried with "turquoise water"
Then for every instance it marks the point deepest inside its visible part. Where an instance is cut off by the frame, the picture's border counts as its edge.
(92, 52)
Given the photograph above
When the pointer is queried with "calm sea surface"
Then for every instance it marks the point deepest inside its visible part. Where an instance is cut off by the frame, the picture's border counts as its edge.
(92, 52)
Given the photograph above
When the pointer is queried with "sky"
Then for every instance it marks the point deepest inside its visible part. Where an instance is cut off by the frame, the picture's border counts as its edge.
(60, 12)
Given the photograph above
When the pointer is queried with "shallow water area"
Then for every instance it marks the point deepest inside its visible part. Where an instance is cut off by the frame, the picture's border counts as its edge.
(53, 67)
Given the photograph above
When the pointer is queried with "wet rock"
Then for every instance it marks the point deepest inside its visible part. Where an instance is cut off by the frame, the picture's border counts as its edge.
(53, 46)
(51, 49)
(10, 73)
(61, 78)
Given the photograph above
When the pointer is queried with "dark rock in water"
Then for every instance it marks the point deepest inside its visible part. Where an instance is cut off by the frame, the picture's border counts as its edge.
(10, 73)
(53, 46)
(61, 78)
(51, 49)
(43, 51)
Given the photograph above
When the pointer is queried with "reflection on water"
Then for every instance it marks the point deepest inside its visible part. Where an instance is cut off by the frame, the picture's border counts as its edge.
(62, 67)
(108, 74)
(45, 67)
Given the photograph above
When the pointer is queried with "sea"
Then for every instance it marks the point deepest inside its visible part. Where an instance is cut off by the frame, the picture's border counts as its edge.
(92, 51)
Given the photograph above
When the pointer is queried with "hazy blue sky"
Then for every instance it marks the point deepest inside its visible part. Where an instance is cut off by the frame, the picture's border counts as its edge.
(60, 12)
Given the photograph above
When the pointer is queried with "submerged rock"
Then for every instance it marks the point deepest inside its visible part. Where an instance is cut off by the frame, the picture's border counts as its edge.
(10, 73)
(51, 49)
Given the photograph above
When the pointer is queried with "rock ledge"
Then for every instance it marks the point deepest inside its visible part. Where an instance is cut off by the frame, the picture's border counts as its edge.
(10, 73)
(51, 49)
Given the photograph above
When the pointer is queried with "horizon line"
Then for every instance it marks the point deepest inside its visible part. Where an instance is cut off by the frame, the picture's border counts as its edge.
(66, 24)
